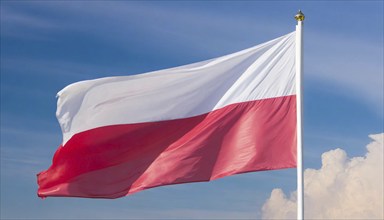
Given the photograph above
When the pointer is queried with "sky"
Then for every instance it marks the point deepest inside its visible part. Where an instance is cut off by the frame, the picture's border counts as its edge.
(46, 45)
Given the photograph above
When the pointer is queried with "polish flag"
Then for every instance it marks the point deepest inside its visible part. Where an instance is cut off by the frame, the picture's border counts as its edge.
(198, 122)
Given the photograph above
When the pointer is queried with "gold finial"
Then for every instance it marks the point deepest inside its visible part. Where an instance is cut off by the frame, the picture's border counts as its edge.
(299, 16)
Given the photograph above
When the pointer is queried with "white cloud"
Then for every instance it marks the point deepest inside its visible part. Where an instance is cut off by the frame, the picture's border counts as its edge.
(343, 188)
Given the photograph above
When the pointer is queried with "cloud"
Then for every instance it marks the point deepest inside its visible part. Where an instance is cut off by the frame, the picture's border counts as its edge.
(343, 188)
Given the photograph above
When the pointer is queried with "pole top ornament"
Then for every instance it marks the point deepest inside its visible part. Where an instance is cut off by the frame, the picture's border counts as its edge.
(299, 16)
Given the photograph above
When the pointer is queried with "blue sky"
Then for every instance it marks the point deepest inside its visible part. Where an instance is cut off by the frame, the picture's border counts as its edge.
(48, 45)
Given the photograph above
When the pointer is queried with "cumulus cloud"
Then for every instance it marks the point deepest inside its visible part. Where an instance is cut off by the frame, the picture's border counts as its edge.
(343, 188)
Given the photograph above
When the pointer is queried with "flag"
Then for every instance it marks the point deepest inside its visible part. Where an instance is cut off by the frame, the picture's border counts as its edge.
(198, 122)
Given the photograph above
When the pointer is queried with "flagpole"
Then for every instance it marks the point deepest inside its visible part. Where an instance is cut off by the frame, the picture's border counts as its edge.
(299, 68)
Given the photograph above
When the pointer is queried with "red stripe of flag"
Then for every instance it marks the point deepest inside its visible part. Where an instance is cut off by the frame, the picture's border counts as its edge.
(117, 160)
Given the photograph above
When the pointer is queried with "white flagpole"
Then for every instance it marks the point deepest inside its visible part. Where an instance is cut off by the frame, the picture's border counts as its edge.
(299, 68)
